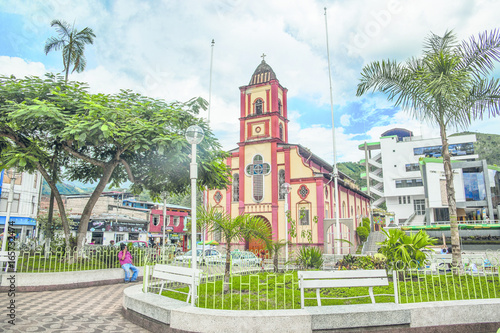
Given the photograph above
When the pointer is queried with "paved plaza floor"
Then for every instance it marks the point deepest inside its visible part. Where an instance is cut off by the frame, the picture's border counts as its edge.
(93, 309)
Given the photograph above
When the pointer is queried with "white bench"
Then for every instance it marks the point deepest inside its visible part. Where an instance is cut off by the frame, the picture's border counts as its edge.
(10, 258)
(341, 279)
(168, 273)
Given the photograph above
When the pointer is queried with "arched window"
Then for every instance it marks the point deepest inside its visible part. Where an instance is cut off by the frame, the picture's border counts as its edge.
(344, 210)
(279, 106)
(352, 212)
(258, 106)
(281, 181)
(281, 131)
(236, 187)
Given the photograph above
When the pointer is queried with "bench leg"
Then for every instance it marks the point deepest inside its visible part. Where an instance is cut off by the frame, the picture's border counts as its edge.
(161, 287)
(370, 291)
(301, 298)
(189, 294)
(318, 297)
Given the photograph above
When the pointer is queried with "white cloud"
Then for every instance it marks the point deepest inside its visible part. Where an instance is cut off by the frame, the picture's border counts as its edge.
(162, 49)
(20, 68)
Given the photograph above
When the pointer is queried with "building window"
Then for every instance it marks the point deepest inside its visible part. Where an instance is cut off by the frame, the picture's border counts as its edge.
(33, 205)
(218, 197)
(304, 216)
(279, 106)
(156, 219)
(281, 131)
(344, 210)
(236, 187)
(458, 149)
(177, 221)
(119, 237)
(6, 179)
(15, 202)
(258, 106)
(409, 183)
(412, 167)
(303, 192)
(281, 181)
(419, 206)
(257, 170)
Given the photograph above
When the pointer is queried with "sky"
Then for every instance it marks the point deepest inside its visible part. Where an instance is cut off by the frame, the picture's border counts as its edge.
(163, 49)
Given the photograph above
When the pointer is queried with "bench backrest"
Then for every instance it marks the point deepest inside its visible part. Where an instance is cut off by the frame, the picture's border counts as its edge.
(347, 278)
(176, 273)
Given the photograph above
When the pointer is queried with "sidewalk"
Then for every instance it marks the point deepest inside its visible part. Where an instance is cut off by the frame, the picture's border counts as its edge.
(93, 309)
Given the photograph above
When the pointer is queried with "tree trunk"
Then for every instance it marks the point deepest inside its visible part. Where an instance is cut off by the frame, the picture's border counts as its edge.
(452, 205)
(87, 211)
(228, 268)
(59, 201)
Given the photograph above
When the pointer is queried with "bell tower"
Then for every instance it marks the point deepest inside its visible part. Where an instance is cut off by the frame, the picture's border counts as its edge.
(263, 108)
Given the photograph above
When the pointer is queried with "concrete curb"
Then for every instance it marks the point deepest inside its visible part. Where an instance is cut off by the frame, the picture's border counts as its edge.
(26, 282)
(155, 312)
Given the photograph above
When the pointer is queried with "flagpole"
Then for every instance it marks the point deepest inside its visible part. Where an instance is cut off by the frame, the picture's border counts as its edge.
(335, 171)
(205, 197)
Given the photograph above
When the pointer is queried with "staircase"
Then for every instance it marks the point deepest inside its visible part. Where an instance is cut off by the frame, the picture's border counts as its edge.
(370, 247)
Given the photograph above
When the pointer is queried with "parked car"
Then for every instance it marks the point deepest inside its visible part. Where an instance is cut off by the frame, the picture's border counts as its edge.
(136, 243)
(211, 257)
(245, 258)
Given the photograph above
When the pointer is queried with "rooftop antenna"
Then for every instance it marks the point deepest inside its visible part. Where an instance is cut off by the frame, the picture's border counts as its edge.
(335, 171)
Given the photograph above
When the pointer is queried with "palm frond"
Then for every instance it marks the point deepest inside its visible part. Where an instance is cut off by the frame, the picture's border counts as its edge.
(435, 44)
(484, 96)
(479, 55)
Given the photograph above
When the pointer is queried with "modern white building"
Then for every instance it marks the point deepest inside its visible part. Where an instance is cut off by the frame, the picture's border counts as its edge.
(395, 175)
(24, 210)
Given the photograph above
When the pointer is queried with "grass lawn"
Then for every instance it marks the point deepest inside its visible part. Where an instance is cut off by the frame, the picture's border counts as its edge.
(269, 291)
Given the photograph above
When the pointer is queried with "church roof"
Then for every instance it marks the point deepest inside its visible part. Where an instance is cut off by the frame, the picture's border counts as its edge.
(263, 73)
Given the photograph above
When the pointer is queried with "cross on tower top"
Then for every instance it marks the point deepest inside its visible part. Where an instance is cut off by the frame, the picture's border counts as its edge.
(263, 56)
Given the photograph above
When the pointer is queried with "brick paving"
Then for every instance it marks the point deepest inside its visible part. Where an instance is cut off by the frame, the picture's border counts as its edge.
(92, 309)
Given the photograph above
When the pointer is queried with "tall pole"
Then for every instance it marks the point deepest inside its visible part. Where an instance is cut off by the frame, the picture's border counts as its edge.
(335, 171)
(210, 82)
(9, 208)
(164, 219)
(194, 175)
(208, 120)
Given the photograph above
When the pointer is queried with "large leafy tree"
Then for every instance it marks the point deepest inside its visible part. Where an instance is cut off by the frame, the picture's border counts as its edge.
(103, 139)
(72, 43)
(449, 85)
(232, 230)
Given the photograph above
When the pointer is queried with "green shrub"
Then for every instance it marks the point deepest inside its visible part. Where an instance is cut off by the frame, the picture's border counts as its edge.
(365, 222)
(407, 249)
(363, 233)
(310, 257)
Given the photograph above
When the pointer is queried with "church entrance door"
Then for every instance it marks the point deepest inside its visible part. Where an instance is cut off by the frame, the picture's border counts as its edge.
(257, 246)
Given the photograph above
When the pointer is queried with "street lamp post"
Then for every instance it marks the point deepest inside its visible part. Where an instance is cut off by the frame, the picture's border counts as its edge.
(194, 135)
(285, 188)
(12, 173)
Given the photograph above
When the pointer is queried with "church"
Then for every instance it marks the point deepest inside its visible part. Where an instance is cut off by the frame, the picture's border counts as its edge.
(271, 176)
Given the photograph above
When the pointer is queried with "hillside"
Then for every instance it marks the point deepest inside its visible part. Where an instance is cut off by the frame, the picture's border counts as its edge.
(487, 146)
(65, 189)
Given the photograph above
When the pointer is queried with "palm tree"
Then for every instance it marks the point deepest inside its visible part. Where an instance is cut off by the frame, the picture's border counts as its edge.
(448, 86)
(233, 230)
(72, 43)
(274, 249)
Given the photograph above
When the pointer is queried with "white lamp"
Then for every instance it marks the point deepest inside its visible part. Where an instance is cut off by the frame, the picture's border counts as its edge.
(194, 135)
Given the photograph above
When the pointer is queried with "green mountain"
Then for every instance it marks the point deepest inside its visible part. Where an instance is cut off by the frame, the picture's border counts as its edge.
(66, 189)
(353, 170)
(487, 147)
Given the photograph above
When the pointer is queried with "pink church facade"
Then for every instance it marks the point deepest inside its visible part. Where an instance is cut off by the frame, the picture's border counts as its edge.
(265, 160)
